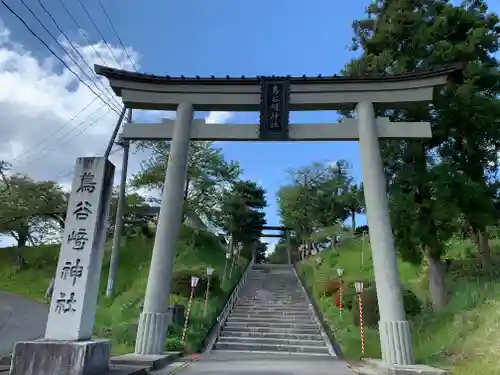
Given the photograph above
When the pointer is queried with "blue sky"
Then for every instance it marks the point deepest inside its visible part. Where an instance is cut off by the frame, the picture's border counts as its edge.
(229, 37)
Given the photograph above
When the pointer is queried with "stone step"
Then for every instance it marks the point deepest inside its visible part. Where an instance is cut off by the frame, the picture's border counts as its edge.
(273, 335)
(279, 319)
(272, 302)
(258, 295)
(276, 319)
(235, 345)
(310, 330)
(274, 308)
(271, 314)
(288, 306)
(258, 299)
(236, 324)
(272, 341)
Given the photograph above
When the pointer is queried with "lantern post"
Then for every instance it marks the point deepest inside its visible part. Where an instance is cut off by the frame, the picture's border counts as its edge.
(194, 283)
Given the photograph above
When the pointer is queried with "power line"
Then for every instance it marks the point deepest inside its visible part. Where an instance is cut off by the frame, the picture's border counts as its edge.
(56, 56)
(60, 46)
(92, 124)
(106, 88)
(66, 174)
(57, 130)
(116, 33)
(60, 128)
(82, 33)
(99, 32)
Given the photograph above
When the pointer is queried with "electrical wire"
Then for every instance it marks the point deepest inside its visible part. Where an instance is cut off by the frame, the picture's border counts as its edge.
(62, 48)
(99, 32)
(91, 125)
(56, 56)
(67, 174)
(82, 33)
(63, 135)
(106, 88)
(56, 131)
(116, 33)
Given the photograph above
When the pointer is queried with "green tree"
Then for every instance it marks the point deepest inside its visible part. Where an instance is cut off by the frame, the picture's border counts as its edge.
(138, 213)
(242, 213)
(316, 198)
(31, 211)
(355, 202)
(260, 252)
(208, 177)
(407, 35)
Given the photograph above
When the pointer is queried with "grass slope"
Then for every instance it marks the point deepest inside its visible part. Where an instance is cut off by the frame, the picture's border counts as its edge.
(116, 317)
(465, 338)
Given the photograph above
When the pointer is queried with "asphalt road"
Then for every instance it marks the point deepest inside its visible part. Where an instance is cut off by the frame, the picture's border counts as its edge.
(20, 319)
(232, 363)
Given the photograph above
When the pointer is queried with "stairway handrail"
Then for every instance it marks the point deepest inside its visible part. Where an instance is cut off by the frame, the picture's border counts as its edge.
(215, 331)
(326, 332)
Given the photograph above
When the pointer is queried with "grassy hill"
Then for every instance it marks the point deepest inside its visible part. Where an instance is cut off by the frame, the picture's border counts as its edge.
(116, 317)
(464, 338)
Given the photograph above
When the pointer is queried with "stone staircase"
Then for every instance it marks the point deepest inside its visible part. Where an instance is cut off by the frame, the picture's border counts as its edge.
(273, 315)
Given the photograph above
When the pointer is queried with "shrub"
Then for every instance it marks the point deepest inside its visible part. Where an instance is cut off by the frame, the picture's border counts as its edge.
(370, 306)
(332, 287)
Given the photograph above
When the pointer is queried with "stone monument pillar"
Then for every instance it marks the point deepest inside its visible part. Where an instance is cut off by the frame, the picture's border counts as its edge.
(68, 347)
(153, 320)
(394, 329)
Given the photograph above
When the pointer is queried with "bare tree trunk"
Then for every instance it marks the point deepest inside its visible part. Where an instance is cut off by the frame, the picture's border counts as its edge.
(484, 249)
(437, 284)
(353, 220)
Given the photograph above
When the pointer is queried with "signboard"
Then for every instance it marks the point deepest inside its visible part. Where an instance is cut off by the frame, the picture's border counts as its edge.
(274, 112)
(73, 304)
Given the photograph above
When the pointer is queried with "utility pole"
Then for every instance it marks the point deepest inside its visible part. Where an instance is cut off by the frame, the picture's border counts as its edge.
(117, 235)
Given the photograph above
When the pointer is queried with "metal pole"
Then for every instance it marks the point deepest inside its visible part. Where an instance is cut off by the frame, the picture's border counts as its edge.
(117, 235)
(115, 132)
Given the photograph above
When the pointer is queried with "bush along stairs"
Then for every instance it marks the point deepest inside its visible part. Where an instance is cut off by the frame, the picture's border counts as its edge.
(273, 315)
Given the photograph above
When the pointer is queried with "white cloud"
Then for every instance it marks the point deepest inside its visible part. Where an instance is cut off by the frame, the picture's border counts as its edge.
(218, 117)
(42, 130)
(38, 98)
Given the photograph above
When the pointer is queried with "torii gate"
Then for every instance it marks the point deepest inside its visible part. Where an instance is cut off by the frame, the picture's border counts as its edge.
(275, 97)
(70, 323)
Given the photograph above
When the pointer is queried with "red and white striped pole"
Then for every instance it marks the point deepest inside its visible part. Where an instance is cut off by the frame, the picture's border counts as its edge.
(340, 272)
(210, 271)
(359, 291)
(194, 282)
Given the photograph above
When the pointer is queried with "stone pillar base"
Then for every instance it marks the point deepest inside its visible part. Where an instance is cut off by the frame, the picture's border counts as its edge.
(151, 333)
(395, 341)
(383, 368)
(43, 357)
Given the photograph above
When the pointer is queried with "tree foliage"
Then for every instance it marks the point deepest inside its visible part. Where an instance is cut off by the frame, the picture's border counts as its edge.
(435, 183)
(31, 210)
(208, 178)
(242, 213)
(318, 196)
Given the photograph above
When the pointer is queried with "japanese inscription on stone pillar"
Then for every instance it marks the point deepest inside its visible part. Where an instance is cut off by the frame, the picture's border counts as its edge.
(72, 308)
(274, 111)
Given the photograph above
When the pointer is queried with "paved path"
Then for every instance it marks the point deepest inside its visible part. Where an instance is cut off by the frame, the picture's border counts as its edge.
(233, 363)
(20, 319)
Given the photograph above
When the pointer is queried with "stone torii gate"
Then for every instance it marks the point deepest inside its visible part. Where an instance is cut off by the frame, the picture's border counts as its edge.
(274, 97)
(68, 341)
(284, 233)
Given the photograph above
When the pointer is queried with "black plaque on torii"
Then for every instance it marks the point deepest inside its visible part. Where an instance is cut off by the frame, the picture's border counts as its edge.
(274, 108)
